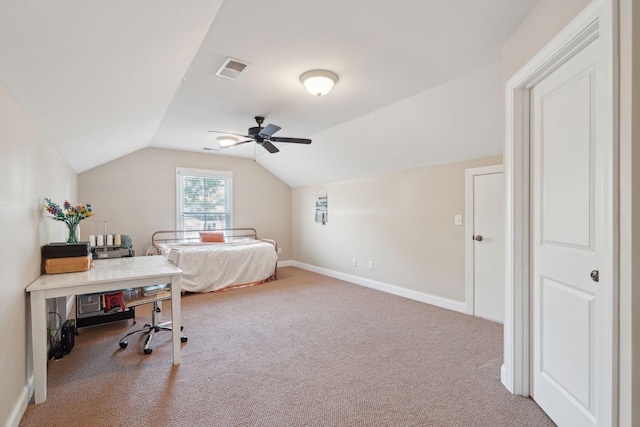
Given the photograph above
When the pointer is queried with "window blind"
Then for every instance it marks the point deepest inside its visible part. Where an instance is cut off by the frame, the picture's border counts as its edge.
(204, 199)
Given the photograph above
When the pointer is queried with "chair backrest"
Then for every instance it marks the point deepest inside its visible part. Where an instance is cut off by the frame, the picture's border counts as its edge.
(174, 256)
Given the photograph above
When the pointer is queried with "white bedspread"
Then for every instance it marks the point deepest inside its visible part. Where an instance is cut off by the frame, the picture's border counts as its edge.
(211, 266)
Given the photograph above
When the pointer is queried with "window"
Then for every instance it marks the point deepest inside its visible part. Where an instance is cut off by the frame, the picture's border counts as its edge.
(203, 199)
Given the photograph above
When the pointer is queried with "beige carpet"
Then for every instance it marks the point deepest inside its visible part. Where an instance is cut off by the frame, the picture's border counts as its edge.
(305, 350)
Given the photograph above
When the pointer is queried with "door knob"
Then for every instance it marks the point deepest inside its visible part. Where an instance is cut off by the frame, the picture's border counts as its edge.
(595, 275)
(478, 238)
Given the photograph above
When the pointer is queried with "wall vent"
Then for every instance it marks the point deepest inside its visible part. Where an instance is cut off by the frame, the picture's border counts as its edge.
(232, 68)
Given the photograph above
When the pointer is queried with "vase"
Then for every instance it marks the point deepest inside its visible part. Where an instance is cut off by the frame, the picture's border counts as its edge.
(73, 233)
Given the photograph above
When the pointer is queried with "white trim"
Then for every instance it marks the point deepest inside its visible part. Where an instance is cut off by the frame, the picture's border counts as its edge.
(516, 323)
(595, 21)
(287, 263)
(447, 303)
(21, 405)
(469, 175)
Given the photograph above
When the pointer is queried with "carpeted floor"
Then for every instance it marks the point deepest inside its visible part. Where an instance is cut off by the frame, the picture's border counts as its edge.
(305, 350)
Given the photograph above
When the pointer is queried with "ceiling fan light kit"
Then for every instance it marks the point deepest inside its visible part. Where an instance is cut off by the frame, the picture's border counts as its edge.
(319, 82)
(227, 141)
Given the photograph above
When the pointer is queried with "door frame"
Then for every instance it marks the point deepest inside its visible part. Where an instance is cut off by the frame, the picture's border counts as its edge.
(469, 247)
(595, 21)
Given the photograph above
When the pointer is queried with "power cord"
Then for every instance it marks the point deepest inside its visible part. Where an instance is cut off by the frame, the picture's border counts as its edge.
(53, 334)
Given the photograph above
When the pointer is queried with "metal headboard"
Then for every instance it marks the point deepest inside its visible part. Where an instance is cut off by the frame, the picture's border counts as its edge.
(176, 236)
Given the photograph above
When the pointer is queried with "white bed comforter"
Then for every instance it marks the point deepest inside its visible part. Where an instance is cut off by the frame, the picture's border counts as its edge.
(211, 266)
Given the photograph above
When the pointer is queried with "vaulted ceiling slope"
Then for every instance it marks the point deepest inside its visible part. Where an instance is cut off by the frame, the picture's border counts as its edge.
(97, 76)
(419, 81)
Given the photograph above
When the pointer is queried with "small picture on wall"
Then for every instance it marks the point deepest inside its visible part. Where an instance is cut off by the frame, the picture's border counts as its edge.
(321, 209)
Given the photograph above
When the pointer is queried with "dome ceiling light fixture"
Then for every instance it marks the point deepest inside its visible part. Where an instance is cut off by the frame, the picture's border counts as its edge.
(227, 141)
(319, 82)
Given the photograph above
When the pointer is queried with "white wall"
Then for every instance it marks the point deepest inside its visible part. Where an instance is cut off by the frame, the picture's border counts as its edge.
(458, 120)
(30, 169)
(138, 192)
(403, 222)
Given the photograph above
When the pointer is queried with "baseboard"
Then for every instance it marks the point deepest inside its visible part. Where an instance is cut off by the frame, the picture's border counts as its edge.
(286, 264)
(459, 306)
(21, 404)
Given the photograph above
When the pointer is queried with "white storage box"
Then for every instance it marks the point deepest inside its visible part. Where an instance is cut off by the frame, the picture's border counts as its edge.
(89, 303)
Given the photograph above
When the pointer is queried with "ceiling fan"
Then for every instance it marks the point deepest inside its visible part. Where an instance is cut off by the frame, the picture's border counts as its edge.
(264, 136)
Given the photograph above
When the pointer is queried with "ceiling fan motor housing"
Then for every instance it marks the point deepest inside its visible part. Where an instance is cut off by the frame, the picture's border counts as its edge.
(254, 131)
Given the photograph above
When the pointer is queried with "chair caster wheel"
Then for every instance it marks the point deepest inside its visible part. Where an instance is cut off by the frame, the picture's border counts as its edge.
(183, 339)
(148, 350)
(124, 344)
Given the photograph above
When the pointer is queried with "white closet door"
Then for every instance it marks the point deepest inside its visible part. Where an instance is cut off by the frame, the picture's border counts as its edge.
(570, 235)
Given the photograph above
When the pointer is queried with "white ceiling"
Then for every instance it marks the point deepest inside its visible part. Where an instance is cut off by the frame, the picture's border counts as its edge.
(420, 80)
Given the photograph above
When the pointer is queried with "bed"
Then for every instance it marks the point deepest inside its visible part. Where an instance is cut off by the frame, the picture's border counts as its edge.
(214, 260)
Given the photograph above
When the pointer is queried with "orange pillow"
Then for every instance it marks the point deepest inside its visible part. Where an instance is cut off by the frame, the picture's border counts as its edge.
(211, 237)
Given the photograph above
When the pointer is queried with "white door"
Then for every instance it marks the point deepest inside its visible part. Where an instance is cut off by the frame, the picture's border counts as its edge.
(570, 238)
(487, 234)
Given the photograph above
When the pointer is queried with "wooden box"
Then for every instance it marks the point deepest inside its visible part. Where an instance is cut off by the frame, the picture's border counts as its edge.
(67, 265)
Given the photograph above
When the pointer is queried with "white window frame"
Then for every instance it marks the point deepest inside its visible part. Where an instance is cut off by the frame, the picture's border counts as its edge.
(206, 173)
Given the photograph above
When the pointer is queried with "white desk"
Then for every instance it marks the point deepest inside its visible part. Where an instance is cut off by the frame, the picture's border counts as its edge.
(107, 275)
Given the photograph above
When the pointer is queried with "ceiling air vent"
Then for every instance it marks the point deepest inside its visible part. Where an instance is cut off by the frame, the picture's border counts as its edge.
(232, 68)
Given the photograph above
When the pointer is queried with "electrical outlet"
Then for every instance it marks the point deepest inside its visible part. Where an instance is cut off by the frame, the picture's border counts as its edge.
(370, 265)
(354, 262)
(279, 251)
(457, 219)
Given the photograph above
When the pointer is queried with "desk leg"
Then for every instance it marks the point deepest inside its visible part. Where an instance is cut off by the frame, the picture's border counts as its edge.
(176, 323)
(39, 345)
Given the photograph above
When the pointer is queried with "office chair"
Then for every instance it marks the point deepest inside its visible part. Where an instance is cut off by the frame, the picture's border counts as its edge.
(154, 326)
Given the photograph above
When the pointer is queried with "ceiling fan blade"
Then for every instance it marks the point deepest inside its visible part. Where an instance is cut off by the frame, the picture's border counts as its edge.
(230, 133)
(269, 147)
(269, 130)
(237, 143)
(294, 140)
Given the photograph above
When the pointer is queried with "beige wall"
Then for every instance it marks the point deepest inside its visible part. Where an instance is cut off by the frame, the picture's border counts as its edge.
(30, 169)
(138, 192)
(403, 222)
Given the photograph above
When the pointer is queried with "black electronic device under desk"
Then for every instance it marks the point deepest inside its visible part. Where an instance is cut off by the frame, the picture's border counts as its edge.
(90, 311)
